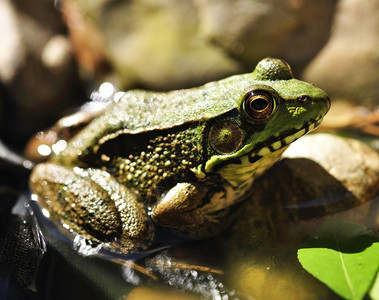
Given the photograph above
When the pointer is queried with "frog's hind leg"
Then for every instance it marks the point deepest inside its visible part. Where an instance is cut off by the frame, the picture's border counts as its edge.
(93, 204)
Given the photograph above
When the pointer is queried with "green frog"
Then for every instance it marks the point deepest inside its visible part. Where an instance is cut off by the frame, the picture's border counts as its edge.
(178, 161)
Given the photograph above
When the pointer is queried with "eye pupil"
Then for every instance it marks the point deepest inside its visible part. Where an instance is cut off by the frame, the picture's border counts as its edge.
(259, 104)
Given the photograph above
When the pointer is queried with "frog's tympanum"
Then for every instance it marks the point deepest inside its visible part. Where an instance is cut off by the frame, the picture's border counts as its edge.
(179, 160)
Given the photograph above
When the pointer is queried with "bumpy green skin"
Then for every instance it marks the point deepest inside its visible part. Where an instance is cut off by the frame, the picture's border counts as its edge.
(154, 158)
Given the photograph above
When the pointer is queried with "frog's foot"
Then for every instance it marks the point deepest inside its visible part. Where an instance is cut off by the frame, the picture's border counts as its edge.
(93, 205)
(181, 211)
(179, 207)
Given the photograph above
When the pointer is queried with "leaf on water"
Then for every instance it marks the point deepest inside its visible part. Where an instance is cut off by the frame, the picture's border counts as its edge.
(344, 256)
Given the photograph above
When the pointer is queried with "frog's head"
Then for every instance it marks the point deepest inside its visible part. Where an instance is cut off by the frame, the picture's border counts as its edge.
(272, 111)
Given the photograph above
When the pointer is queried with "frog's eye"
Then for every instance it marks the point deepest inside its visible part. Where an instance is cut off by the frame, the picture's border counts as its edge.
(259, 104)
(226, 137)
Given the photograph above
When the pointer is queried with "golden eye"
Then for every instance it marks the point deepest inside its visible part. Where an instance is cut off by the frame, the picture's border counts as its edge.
(259, 104)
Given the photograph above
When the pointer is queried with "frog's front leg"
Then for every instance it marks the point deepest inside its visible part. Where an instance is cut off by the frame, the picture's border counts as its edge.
(181, 210)
(92, 203)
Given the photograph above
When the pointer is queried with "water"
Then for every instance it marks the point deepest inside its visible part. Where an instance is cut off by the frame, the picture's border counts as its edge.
(254, 259)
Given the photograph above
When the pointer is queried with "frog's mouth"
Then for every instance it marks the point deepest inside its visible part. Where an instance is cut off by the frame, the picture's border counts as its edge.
(284, 139)
(241, 171)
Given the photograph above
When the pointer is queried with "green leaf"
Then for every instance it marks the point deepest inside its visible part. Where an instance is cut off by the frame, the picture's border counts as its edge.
(374, 293)
(344, 256)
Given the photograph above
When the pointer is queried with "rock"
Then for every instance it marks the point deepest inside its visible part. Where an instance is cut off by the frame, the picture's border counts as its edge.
(347, 67)
(319, 174)
(173, 44)
(37, 68)
(352, 163)
(250, 30)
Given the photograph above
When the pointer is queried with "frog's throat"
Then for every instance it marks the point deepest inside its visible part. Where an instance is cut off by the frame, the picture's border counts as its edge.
(237, 169)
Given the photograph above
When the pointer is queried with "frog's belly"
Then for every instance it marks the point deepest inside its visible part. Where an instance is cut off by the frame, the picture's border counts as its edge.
(239, 178)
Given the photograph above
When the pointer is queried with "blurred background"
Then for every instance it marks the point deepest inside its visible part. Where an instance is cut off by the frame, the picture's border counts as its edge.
(54, 53)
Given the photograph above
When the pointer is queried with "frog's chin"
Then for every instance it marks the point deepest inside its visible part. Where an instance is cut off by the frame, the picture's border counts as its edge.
(239, 178)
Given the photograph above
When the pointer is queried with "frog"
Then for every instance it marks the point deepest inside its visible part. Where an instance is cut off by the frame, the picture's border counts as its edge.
(179, 161)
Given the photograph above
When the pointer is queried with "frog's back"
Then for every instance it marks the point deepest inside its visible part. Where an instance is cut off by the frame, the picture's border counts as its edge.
(142, 111)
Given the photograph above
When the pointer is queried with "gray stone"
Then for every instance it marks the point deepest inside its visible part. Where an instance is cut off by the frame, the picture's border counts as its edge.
(350, 162)
(250, 30)
(347, 67)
